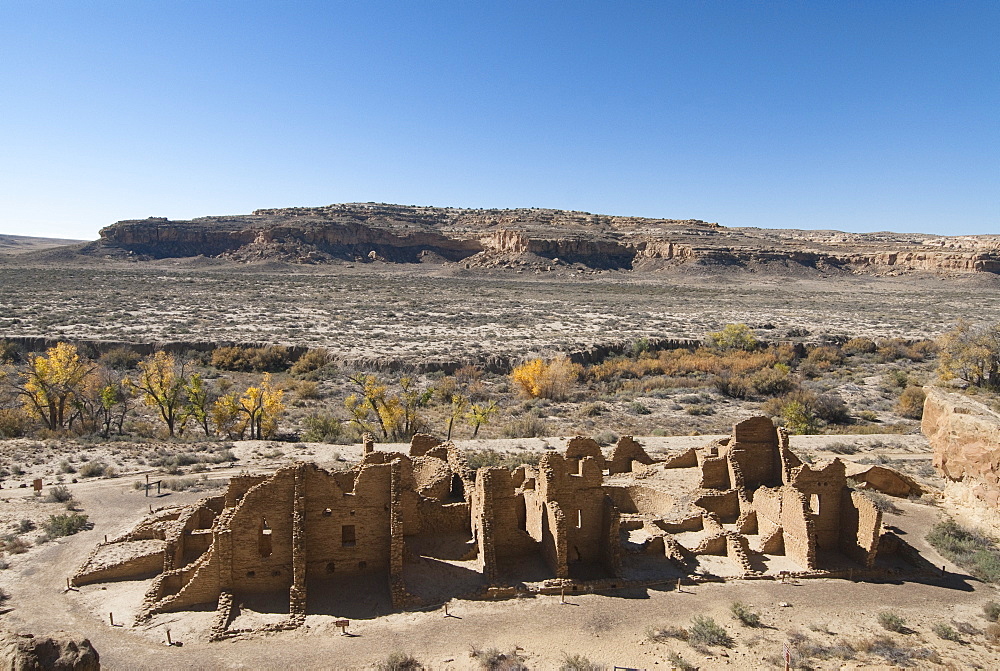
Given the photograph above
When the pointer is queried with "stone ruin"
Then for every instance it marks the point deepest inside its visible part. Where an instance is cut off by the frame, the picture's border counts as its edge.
(406, 530)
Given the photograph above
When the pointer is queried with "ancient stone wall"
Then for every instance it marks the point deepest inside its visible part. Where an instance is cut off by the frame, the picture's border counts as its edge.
(625, 451)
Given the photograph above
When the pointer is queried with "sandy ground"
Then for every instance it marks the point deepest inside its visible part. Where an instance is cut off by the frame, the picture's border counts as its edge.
(608, 628)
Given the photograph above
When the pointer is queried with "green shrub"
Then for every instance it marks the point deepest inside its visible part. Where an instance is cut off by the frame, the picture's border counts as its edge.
(322, 428)
(663, 634)
(743, 613)
(525, 427)
(945, 631)
(120, 358)
(93, 469)
(733, 337)
(312, 365)
(65, 525)
(891, 621)
(14, 422)
(679, 663)
(400, 661)
(706, 631)
(970, 550)
(991, 609)
(59, 494)
(490, 458)
(577, 662)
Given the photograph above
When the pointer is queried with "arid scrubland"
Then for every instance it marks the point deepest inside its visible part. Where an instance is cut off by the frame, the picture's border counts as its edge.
(200, 370)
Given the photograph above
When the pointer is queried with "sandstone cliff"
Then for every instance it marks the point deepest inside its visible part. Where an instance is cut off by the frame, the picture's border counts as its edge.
(491, 238)
(965, 435)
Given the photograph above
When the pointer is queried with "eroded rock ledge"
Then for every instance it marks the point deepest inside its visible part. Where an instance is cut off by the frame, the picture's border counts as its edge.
(366, 232)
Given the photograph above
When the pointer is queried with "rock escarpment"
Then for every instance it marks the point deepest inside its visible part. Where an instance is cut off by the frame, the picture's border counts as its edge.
(965, 435)
(365, 232)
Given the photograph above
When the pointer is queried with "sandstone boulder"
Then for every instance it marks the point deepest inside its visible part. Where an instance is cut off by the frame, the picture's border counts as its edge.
(965, 435)
(26, 652)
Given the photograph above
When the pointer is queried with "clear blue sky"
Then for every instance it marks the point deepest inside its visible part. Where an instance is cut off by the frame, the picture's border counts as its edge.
(849, 115)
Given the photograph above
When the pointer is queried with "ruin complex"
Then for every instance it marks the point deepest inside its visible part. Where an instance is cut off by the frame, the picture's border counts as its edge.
(408, 530)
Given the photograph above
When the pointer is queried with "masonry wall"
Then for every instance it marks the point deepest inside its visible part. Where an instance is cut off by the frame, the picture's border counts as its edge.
(262, 561)
(860, 527)
(330, 548)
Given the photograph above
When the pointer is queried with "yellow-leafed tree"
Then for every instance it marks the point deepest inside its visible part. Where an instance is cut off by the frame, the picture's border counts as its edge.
(52, 382)
(262, 406)
(163, 386)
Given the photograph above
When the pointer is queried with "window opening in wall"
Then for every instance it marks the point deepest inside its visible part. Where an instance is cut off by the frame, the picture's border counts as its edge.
(814, 504)
(362, 565)
(347, 536)
(264, 539)
(330, 567)
(327, 512)
(457, 487)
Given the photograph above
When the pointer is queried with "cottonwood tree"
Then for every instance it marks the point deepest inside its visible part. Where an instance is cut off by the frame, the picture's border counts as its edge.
(162, 384)
(395, 414)
(51, 383)
(540, 379)
(255, 412)
(972, 354)
(479, 414)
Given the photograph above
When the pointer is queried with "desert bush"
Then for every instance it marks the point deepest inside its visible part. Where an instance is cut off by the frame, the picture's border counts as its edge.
(312, 364)
(733, 386)
(492, 659)
(743, 613)
(25, 525)
(945, 631)
(322, 428)
(911, 403)
(894, 349)
(991, 611)
(897, 378)
(65, 525)
(306, 390)
(270, 359)
(840, 447)
(59, 494)
(970, 550)
(699, 410)
(577, 662)
(706, 631)
(772, 381)
(638, 408)
(679, 663)
(993, 632)
(14, 422)
(733, 337)
(93, 469)
(525, 427)
(859, 346)
(400, 661)
(120, 358)
(552, 380)
(891, 621)
(10, 352)
(882, 501)
(663, 634)
(66, 467)
(605, 438)
(490, 458)
(15, 545)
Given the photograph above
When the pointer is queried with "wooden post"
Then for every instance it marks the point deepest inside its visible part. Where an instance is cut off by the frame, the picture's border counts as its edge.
(147, 485)
(446, 609)
(67, 583)
(679, 585)
(111, 616)
(169, 642)
(562, 595)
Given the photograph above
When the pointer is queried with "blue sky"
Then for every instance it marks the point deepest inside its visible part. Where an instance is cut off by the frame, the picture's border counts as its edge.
(847, 115)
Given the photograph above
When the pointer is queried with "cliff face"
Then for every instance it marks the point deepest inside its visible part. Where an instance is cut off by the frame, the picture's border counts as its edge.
(965, 436)
(368, 231)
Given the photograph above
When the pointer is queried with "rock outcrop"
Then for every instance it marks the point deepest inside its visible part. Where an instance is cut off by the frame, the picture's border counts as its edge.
(26, 652)
(965, 435)
(541, 238)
